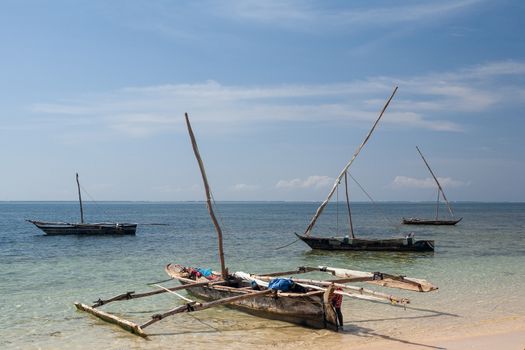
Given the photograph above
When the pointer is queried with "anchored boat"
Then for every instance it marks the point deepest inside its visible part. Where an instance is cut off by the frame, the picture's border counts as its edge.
(82, 228)
(406, 244)
(350, 242)
(437, 220)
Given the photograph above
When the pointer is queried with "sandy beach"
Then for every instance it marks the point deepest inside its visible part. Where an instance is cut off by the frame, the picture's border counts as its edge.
(501, 334)
(508, 333)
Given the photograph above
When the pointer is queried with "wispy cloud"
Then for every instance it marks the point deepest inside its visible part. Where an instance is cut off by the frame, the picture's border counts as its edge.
(303, 15)
(172, 19)
(314, 181)
(245, 187)
(431, 101)
(411, 182)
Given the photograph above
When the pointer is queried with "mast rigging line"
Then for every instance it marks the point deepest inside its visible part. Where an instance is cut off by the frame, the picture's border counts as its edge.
(371, 199)
(287, 245)
(94, 201)
(219, 215)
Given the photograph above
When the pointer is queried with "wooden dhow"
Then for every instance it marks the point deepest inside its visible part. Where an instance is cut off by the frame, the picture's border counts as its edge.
(350, 241)
(82, 228)
(440, 192)
(307, 302)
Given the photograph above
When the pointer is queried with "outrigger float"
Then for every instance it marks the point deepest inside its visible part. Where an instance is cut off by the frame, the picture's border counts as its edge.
(306, 302)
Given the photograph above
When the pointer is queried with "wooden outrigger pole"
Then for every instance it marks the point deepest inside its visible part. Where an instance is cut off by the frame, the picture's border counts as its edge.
(440, 189)
(224, 270)
(376, 278)
(308, 230)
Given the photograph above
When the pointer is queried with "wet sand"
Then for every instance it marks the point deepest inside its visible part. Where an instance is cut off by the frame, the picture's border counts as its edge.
(500, 334)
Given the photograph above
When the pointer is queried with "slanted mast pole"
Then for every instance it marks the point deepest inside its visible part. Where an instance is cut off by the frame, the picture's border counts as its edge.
(323, 205)
(224, 271)
(80, 200)
(437, 182)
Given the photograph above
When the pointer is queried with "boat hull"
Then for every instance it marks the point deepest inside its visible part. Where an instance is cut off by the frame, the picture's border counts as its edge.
(357, 244)
(105, 228)
(305, 310)
(416, 221)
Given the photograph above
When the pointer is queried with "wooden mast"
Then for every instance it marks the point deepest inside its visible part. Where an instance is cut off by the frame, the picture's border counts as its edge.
(348, 207)
(224, 271)
(437, 205)
(80, 200)
(323, 205)
(437, 182)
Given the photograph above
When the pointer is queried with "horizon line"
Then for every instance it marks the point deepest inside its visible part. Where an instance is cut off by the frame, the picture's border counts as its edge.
(246, 201)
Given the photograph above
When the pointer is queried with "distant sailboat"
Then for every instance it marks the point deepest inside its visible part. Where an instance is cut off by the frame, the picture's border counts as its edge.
(436, 221)
(65, 228)
(407, 243)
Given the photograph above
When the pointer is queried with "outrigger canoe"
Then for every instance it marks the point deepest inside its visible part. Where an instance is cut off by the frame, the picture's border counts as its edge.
(306, 302)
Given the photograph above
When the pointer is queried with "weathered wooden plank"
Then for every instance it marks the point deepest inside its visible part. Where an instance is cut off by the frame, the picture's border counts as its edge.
(122, 323)
(382, 279)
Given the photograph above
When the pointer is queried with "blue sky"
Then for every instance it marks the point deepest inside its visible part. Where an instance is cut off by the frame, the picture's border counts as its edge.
(280, 94)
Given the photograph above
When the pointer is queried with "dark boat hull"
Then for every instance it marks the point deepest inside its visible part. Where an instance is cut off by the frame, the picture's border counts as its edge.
(105, 228)
(416, 221)
(357, 244)
(304, 310)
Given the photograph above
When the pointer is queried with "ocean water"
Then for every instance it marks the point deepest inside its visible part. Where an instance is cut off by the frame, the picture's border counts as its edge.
(478, 266)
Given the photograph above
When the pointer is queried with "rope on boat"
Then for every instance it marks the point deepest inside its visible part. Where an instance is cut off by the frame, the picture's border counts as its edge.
(94, 201)
(154, 224)
(287, 245)
(214, 203)
(175, 293)
(371, 199)
(154, 283)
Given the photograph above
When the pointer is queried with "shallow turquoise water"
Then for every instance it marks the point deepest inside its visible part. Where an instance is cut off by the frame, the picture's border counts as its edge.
(478, 266)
